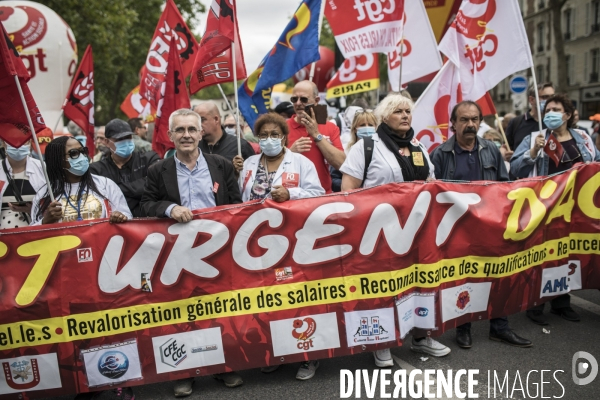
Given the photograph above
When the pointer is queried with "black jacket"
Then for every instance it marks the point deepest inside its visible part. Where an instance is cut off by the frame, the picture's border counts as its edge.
(131, 178)
(490, 160)
(162, 189)
(227, 147)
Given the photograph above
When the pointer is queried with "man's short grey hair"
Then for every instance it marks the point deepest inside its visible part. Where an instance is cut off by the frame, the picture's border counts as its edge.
(391, 102)
(183, 112)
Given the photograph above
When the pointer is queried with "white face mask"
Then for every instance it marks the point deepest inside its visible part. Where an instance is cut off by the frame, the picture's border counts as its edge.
(230, 131)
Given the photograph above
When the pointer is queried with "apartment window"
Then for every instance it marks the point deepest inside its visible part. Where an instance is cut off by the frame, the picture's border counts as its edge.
(595, 16)
(540, 37)
(541, 4)
(569, 62)
(595, 66)
(568, 29)
(539, 71)
(585, 66)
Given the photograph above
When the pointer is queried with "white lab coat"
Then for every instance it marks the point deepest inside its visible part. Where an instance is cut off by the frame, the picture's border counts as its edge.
(296, 172)
(33, 170)
(384, 167)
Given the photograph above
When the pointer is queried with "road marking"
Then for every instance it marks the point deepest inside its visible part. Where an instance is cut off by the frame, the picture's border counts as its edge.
(585, 304)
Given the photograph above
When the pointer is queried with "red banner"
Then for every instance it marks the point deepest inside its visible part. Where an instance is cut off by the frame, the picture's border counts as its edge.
(258, 284)
(356, 75)
(135, 106)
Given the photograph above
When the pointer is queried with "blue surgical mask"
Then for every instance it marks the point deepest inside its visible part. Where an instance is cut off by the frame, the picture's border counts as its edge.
(18, 153)
(230, 131)
(270, 147)
(553, 119)
(365, 131)
(79, 165)
(542, 106)
(82, 140)
(124, 148)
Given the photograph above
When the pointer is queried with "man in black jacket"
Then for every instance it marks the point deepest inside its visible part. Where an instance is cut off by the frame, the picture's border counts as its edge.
(126, 167)
(465, 157)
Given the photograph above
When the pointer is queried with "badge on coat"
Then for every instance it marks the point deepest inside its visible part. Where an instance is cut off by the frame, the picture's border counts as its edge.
(246, 179)
(215, 187)
(418, 160)
(289, 180)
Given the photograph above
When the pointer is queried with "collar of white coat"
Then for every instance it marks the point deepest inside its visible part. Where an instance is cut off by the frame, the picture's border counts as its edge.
(287, 160)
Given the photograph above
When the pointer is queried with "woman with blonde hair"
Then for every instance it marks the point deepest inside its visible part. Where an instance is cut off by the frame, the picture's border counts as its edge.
(364, 125)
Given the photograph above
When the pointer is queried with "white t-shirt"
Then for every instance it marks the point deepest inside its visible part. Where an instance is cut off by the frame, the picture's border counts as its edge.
(92, 206)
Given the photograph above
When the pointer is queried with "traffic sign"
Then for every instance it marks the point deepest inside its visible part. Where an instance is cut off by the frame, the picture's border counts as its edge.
(518, 84)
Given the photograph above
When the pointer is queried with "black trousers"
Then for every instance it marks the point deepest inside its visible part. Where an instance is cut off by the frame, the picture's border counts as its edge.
(562, 301)
(497, 325)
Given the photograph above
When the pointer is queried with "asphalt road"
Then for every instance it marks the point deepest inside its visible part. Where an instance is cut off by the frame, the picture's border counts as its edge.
(551, 352)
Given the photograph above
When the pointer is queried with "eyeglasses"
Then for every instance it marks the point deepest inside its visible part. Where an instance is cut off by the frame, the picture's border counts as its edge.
(272, 135)
(303, 100)
(74, 153)
(192, 130)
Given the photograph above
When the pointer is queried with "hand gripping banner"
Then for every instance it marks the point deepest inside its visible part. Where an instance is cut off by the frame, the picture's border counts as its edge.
(86, 305)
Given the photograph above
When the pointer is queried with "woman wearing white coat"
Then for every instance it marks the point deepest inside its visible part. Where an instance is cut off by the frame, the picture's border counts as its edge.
(276, 172)
(19, 170)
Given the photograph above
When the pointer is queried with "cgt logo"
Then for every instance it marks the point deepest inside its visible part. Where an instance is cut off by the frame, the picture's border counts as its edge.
(375, 10)
(304, 336)
(580, 368)
(421, 311)
(171, 354)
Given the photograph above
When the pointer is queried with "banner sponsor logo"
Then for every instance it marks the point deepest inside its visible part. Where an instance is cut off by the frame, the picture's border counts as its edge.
(109, 364)
(561, 279)
(85, 255)
(282, 274)
(465, 299)
(27, 373)
(302, 334)
(370, 326)
(416, 310)
(187, 350)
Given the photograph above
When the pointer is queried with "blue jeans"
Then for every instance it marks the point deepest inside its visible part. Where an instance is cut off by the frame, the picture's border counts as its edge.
(497, 325)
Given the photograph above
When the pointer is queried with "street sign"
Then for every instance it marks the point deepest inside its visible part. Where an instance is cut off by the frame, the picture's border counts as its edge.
(518, 84)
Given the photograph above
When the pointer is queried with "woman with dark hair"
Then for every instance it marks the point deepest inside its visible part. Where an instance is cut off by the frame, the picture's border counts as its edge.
(276, 172)
(79, 194)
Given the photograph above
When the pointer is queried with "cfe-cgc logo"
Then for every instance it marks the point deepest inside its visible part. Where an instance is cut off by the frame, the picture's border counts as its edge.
(27, 373)
(303, 334)
(172, 353)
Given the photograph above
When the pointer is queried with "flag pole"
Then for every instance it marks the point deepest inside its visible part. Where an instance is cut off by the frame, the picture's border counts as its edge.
(35, 139)
(401, 60)
(237, 104)
(226, 100)
(320, 26)
(537, 101)
(62, 112)
(502, 131)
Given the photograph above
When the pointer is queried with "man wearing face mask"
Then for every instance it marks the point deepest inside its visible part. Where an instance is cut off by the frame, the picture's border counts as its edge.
(125, 166)
(21, 177)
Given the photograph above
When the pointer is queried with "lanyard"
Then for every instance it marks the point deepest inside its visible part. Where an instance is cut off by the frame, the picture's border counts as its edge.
(78, 208)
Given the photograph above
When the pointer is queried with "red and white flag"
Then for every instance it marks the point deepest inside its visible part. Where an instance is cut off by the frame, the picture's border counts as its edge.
(373, 26)
(219, 69)
(420, 55)
(171, 25)
(488, 42)
(356, 75)
(79, 104)
(173, 97)
(14, 126)
(554, 149)
(135, 106)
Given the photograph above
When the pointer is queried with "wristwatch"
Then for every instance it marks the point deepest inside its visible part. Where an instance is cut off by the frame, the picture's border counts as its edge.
(318, 138)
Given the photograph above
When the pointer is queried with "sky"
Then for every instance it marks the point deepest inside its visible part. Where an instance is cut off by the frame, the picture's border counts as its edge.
(261, 23)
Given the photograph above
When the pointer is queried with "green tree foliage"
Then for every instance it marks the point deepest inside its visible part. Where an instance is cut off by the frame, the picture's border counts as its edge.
(120, 32)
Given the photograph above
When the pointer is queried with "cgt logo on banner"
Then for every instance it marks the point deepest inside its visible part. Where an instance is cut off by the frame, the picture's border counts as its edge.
(561, 279)
(302, 334)
(465, 299)
(36, 372)
(187, 350)
(417, 310)
(370, 326)
(113, 363)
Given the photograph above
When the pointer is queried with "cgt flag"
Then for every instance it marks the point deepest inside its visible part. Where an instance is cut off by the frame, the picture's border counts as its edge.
(554, 149)
(420, 56)
(487, 43)
(173, 97)
(14, 127)
(356, 75)
(170, 25)
(135, 106)
(297, 47)
(79, 104)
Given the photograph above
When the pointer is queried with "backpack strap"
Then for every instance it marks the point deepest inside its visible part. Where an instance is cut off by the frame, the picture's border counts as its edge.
(368, 144)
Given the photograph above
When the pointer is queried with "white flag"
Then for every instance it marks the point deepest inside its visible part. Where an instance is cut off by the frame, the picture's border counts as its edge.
(488, 43)
(420, 54)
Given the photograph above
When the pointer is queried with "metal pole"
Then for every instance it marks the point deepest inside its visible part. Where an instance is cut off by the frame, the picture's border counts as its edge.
(62, 111)
(320, 26)
(537, 101)
(226, 100)
(235, 91)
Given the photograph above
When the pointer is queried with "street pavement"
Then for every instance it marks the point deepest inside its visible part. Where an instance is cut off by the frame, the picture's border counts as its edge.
(550, 352)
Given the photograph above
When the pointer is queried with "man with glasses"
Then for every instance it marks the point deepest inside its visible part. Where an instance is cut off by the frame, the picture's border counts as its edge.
(319, 143)
(125, 166)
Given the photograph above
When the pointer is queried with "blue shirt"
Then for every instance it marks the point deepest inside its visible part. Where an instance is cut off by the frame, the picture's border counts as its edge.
(467, 166)
(195, 186)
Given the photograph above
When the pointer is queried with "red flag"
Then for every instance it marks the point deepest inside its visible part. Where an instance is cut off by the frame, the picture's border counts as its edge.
(170, 25)
(14, 127)
(487, 105)
(356, 75)
(135, 106)
(79, 104)
(219, 70)
(173, 97)
(554, 149)
(220, 32)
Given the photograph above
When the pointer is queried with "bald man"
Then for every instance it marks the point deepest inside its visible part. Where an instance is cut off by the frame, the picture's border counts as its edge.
(319, 143)
(214, 139)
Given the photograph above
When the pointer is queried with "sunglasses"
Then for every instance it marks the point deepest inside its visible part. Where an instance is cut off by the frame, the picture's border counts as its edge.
(294, 99)
(74, 153)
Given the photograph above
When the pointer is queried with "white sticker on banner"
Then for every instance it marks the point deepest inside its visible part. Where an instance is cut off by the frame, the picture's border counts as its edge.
(188, 350)
(35, 372)
(417, 310)
(110, 364)
(562, 279)
(305, 333)
(370, 326)
(465, 299)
